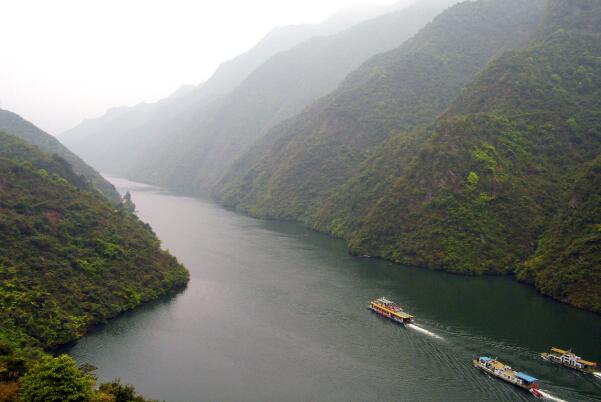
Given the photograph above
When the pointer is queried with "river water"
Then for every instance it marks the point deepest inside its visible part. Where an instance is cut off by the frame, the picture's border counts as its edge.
(275, 312)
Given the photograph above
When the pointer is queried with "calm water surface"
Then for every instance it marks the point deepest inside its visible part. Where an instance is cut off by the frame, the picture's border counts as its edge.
(275, 312)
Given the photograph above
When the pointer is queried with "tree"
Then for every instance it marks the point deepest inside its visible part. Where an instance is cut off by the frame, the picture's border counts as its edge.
(117, 392)
(472, 179)
(56, 379)
(128, 203)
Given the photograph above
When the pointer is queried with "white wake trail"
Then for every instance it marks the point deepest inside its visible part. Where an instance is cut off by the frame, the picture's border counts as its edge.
(597, 374)
(551, 397)
(424, 331)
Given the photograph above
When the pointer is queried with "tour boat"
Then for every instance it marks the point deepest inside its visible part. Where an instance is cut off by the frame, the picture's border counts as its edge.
(569, 359)
(506, 373)
(390, 310)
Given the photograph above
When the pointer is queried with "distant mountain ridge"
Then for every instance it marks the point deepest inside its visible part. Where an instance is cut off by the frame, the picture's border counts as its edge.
(292, 170)
(196, 154)
(17, 126)
(232, 72)
(112, 142)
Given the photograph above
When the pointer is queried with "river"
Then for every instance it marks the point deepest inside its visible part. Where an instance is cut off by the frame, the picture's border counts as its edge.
(276, 312)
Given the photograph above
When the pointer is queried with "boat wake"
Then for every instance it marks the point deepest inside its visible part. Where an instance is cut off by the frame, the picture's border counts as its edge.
(550, 397)
(597, 374)
(424, 331)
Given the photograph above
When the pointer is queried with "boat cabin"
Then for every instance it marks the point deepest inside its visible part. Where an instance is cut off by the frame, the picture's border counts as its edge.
(570, 359)
(527, 380)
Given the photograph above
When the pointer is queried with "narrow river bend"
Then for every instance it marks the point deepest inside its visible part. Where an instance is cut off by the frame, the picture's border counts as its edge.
(275, 312)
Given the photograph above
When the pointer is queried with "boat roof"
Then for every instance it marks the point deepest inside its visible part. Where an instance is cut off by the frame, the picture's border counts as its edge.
(494, 362)
(402, 314)
(587, 363)
(557, 350)
(397, 312)
(526, 377)
(498, 365)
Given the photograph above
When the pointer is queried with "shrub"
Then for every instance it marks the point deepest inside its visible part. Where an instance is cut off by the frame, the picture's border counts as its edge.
(56, 379)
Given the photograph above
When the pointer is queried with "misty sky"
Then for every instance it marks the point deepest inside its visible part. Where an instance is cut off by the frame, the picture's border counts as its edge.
(65, 60)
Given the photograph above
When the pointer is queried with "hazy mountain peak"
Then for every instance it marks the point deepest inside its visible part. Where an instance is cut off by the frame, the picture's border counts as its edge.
(183, 90)
(115, 111)
(349, 16)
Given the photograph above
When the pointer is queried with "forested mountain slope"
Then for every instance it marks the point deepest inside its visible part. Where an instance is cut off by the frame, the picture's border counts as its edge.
(197, 156)
(112, 142)
(70, 259)
(567, 261)
(17, 126)
(490, 187)
(299, 163)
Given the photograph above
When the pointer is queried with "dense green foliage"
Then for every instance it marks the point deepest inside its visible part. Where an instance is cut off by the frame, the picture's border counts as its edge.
(492, 175)
(15, 125)
(115, 391)
(299, 163)
(489, 188)
(69, 258)
(567, 262)
(56, 380)
(484, 186)
(14, 363)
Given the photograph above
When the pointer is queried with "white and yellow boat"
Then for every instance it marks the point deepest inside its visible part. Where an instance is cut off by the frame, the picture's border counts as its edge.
(568, 359)
(390, 310)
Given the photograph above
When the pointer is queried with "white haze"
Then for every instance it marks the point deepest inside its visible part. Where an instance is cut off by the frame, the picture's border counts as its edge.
(66, 60)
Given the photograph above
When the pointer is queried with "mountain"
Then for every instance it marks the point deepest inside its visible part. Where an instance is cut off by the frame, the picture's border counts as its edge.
(16, 125)
(70, 259)
(232, 72)
(298, 164)
(506, 181)
(197, 156)
(111, 142)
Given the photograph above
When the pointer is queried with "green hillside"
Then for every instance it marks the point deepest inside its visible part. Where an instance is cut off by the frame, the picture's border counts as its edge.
(69, 259)
(17, 126)
(299, 163)
(475, 193)
(488, 188)
(567, 261)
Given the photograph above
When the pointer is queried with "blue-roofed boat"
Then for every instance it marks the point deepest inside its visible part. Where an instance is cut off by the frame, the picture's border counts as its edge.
(506, 373)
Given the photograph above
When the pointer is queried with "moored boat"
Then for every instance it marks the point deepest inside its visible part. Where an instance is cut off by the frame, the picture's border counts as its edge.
(506, 373)
(568, 359)
(390, 310)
